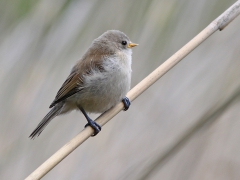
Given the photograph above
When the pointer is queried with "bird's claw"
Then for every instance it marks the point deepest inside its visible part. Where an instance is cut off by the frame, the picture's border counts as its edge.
(126, 103)
(96, 127)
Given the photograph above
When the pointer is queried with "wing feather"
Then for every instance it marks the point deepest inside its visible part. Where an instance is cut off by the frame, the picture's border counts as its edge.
(71, 86)
(75, 81)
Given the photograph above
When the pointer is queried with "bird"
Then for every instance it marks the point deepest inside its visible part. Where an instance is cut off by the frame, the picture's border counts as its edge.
(97, 82)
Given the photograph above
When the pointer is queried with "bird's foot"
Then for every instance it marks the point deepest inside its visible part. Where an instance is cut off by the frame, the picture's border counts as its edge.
(96, 127)
(126, 103)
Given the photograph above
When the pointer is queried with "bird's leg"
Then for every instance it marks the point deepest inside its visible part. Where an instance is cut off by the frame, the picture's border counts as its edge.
(126, 103)
(96, 127)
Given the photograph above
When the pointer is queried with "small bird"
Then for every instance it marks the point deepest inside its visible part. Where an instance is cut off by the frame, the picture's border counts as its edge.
(98, 81)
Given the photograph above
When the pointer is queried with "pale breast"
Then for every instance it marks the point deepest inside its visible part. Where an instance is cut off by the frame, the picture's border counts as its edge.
(104, 89)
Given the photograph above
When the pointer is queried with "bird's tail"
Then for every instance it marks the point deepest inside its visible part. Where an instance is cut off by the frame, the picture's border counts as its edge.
(56, 110)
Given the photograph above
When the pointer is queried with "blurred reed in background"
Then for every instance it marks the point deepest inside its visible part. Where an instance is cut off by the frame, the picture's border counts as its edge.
(186, 126)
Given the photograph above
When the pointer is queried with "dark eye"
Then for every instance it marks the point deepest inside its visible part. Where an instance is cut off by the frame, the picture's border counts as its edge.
(124, 43)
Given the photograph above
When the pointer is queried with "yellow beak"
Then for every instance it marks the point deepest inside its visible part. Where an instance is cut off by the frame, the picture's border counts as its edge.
(130, 45)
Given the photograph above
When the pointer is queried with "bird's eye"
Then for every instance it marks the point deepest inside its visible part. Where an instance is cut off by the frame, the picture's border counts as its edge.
(124, 43)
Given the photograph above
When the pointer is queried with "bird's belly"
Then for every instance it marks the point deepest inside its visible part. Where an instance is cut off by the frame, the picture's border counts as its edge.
(103, 90)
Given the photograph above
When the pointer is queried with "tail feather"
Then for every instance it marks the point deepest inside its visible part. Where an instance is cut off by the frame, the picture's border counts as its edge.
(52, 114)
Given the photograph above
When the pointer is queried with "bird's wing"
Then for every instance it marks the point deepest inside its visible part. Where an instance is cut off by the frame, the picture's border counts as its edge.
(75, 81)
(71, 86)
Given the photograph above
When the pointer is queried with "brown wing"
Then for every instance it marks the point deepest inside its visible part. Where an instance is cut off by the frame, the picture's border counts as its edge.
(71, 86)
(74, 81)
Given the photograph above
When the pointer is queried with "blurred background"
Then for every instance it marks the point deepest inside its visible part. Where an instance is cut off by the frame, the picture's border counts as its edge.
(186, 126)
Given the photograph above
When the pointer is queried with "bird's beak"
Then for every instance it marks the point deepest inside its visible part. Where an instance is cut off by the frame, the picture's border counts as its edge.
(130, 45)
